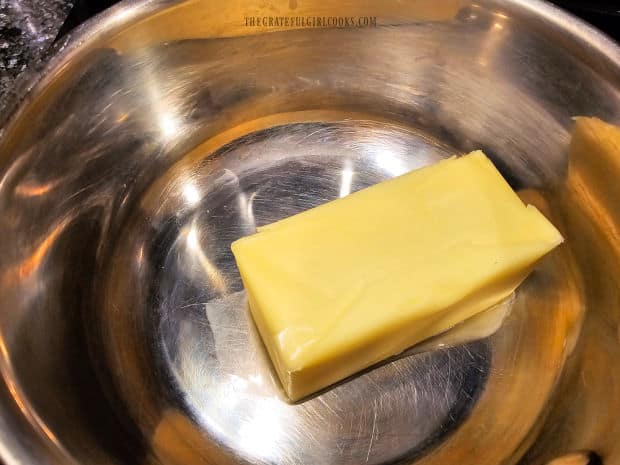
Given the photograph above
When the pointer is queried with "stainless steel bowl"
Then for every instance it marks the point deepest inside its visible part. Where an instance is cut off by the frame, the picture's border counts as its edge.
(163, 130)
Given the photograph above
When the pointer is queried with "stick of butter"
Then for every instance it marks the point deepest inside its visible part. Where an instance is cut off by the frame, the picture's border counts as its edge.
(340, 287)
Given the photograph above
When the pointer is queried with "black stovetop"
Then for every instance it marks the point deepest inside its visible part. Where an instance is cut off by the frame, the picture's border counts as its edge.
(604, 14)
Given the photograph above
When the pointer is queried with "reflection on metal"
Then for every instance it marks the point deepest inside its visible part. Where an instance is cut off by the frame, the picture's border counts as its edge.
(345, 183)
(577, 458)
(191, 194)
(214, 277)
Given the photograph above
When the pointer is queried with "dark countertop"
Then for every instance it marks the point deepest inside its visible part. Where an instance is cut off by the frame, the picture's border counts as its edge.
(27, 29)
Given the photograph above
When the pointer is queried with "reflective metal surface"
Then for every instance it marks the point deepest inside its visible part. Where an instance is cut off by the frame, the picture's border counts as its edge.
(163, 131)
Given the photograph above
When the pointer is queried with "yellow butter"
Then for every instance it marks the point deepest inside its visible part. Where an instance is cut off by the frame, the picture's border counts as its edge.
(340, 287)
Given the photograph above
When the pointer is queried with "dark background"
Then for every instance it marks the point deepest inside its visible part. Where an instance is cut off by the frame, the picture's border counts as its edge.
(604, 14)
